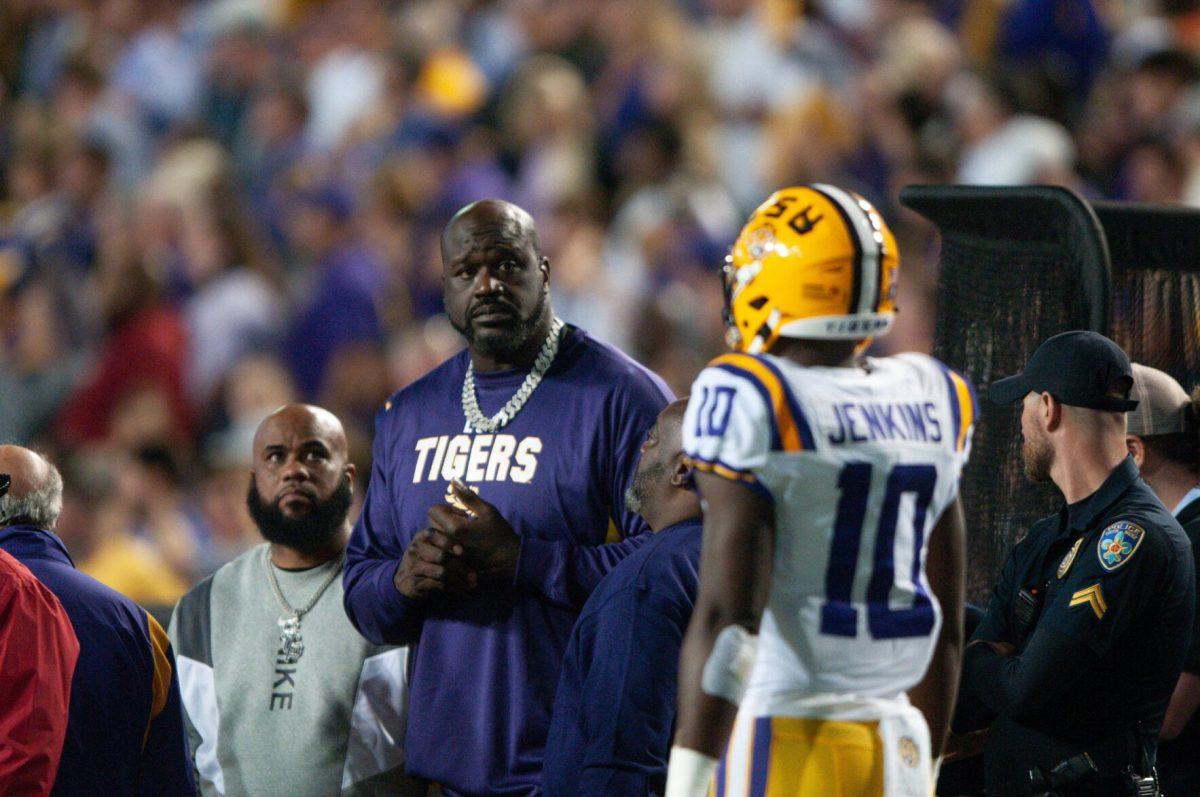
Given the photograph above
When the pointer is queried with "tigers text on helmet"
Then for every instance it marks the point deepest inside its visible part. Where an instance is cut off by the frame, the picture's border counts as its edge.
(814, 261)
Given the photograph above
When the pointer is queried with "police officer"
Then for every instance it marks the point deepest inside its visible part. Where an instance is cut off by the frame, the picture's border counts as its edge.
(1086, 632)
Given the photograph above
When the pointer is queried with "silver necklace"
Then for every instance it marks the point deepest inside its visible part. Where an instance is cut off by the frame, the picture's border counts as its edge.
(291, 644)
(476, 420)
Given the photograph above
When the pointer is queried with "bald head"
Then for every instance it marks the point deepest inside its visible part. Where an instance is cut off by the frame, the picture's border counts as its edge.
(504, 219)
(35, 495)
(306, 419)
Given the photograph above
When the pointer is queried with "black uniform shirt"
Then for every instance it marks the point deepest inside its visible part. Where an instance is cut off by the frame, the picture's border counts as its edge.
(1115, 589)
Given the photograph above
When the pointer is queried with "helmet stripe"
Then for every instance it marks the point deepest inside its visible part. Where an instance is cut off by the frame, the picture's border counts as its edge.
(868, 247)
(856, 278)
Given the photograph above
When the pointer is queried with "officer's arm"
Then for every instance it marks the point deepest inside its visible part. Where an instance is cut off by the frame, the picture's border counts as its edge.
(1015, 686)
(735, 578)
(945, 566)
(1184, 702)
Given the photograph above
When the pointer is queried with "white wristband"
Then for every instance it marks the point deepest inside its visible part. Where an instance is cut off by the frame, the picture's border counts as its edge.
(727, 669)
(689, 773)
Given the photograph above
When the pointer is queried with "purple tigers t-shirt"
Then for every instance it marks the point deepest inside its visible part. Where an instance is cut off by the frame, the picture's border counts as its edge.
(485, 666)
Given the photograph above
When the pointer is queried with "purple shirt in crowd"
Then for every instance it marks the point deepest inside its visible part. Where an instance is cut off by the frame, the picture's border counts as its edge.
(485, 666)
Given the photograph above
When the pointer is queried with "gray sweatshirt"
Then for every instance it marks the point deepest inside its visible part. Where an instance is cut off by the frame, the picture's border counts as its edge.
(325, 725)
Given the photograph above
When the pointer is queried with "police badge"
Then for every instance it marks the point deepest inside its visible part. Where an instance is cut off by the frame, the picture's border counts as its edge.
(1065, 564)
(1118, 544)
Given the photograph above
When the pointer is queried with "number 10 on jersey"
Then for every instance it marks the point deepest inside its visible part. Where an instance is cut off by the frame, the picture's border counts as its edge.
(839, 616)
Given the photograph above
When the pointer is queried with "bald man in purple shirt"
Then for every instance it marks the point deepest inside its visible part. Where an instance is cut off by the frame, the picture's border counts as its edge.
(497, 480)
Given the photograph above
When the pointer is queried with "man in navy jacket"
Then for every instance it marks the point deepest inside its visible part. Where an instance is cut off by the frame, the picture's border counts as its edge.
(615, 707)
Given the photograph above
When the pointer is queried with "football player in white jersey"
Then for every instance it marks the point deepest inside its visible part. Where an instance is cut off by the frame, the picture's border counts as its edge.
(829, 619)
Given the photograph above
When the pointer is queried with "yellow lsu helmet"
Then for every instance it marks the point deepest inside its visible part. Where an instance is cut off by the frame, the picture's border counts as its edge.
(814, 261)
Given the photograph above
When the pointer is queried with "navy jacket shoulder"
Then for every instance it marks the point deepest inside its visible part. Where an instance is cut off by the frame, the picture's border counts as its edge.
(667, 566)
(125, 732)
(85, 599)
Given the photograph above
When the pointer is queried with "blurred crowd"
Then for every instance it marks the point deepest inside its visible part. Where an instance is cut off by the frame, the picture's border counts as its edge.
(212, 208)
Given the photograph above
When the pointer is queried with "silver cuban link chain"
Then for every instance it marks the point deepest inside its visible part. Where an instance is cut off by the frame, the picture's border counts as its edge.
(291, 643)
(476, 420)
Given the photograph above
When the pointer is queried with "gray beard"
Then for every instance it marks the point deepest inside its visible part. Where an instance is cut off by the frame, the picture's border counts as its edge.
(633, 500)
(635, 494)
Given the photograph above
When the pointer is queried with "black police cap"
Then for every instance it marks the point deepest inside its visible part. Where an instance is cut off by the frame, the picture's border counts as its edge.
(1082, 369)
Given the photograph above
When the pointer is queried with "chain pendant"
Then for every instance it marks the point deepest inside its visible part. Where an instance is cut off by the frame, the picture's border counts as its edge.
(476, 420)
(291, 644)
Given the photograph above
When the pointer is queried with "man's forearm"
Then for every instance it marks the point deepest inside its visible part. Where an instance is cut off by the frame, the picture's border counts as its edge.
(935, 694)
(1182, 707)
(376, 608)
(704, 721)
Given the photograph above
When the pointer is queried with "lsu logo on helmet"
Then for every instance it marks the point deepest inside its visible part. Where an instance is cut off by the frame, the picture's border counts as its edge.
(814, 261)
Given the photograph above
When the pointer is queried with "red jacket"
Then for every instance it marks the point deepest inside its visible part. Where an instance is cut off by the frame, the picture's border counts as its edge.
(38, 651)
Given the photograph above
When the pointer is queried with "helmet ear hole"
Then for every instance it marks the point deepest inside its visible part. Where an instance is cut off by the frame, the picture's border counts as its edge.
(758, 303)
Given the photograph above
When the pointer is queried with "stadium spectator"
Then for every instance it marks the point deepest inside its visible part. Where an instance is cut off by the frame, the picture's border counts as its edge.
(615, 707)
(545, 423)
(1095, 591)
(38, 651)
(125, 733)
(1164, 441)
(341, 310)
(140, 370)
(282, 695)
(99, 524)
(234, 306)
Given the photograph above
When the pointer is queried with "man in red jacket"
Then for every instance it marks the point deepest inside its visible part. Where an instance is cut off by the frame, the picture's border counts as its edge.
(38, 651)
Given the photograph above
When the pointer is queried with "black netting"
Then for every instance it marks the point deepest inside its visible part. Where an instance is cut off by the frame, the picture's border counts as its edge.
(1017, 266)
(1156, 285)
(1155, 320)
(993, 311)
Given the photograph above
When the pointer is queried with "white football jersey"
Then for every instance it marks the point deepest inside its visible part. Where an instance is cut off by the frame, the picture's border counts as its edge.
(860, 464)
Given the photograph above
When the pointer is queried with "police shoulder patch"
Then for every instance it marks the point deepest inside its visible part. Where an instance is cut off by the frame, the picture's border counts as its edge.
(1118, 543)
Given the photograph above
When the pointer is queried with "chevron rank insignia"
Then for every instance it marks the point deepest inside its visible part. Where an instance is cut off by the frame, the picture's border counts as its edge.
(1118, 544)
(1092, 596)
